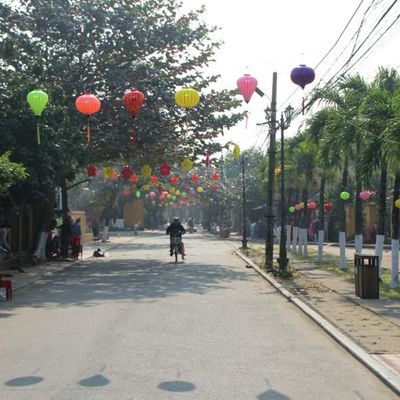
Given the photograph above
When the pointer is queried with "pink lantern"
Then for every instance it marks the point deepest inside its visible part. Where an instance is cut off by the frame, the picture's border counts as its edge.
(298, 207)
(127, 192)
(152, 195)
(215, 187)
(247, 86)
(312, 205)
(365, 195)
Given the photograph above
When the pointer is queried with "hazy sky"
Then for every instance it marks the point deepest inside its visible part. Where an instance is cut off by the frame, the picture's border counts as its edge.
(263, 36)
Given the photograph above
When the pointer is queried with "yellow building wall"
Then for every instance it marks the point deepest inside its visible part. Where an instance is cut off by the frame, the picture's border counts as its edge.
(133, 213)
(369, 214)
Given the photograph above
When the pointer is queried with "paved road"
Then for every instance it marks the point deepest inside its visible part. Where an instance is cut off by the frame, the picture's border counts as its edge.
(135, 326)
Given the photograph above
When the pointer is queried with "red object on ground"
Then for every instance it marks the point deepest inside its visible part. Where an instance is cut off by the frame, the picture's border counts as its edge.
(7, 284)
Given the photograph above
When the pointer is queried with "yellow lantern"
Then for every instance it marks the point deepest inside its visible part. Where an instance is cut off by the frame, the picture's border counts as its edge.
(187, 98)
(171, 190)
(178, 193)
(186, 165)
(146, 187)
(277, 171)
(236, 152)
(200, 189)
(146, 171)
(397, 203)
(107, 173)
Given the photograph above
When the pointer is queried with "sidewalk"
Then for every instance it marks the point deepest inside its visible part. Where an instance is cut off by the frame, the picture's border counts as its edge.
(34, 272)
(372, 324)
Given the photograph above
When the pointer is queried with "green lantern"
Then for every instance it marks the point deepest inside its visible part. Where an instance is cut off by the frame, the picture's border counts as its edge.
(37, 100)
(397, 203)
(345, 195)
(138, 194)
(292, 209)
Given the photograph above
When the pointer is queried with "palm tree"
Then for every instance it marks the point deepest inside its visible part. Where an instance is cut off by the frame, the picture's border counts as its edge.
(317, 128)
(377, 111)
(391, 146)
(345, 101)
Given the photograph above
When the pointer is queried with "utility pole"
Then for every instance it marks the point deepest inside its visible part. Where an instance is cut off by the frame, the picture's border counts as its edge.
(269, 240)
(244, 238)
(283, 260)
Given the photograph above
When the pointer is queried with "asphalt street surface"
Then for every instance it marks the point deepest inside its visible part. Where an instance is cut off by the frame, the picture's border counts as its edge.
(136, 326)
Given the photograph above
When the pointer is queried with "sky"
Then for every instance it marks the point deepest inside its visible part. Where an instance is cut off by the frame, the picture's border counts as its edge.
(264, 36)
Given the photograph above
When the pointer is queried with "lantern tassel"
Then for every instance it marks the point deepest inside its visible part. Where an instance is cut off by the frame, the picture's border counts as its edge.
(38, 133)
(246, 124)
(88, 134)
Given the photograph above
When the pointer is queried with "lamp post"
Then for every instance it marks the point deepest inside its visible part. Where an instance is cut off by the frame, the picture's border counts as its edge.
(284, 123)
(244, 238)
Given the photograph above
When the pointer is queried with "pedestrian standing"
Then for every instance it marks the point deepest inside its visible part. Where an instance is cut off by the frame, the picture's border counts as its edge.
(76, 238)
(65, 234)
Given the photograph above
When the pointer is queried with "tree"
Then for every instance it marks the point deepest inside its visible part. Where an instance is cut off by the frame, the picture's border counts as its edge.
(10, 174)
(378, 110)
(70, 47)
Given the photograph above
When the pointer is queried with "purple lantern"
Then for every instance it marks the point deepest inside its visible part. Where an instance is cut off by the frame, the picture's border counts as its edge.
(247, 86)
(302, 75)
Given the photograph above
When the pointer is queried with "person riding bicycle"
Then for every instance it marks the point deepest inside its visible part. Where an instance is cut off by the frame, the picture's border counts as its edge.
(176, 229)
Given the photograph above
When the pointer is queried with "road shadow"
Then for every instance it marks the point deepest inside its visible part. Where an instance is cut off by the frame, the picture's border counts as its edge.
(99, 280)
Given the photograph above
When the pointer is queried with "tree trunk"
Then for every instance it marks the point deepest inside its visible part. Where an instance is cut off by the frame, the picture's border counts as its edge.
(321, 219)
(64, 197)
(380, 232)
(394, 282)
(107, 214)
(358, 203)
(304, 225)
(342, 219)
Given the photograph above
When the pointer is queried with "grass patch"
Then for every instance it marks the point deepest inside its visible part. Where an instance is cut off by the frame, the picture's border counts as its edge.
(331, 264)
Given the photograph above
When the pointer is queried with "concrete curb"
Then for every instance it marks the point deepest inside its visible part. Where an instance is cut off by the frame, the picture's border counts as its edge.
(60, 268)
(386, 375)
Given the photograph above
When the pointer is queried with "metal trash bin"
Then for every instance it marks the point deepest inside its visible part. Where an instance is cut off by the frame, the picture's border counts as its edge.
(366, 276)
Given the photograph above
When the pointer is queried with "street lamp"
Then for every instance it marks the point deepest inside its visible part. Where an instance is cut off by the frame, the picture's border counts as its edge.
(244, 238)
(284, 123)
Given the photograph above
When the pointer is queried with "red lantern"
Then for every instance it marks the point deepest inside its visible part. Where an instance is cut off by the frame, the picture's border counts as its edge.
(165, 169)
(127, 192)
(88, 104)
(133, 100)
(194, 178)
(215, 176)
(174, 180)
(328, 207)
(134, 178)
(312, 205)
(126, 172)
(215, 187)
(91, 170)
(247, 86)
(154, 179)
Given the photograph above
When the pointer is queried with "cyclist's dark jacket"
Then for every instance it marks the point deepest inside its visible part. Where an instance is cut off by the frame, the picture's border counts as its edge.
(175, 229)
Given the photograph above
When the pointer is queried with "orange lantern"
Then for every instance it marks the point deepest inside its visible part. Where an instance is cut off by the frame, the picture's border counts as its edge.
(88, 104)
